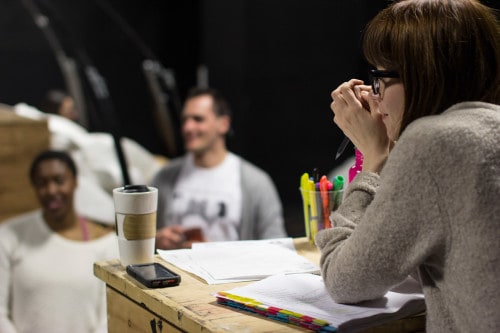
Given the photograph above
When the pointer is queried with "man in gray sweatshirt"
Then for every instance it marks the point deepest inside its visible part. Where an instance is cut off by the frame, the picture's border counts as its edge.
(211, 194)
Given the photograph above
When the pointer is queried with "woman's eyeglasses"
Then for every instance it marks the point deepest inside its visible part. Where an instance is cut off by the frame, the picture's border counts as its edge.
(376, 75)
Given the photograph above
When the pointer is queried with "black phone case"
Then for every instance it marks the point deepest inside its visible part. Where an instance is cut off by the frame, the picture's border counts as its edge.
(173, 279)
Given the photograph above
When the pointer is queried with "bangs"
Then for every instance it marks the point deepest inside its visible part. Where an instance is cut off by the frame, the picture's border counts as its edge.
(378, 44)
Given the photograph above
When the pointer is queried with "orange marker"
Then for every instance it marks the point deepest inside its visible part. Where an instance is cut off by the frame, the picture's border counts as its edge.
(323, 190)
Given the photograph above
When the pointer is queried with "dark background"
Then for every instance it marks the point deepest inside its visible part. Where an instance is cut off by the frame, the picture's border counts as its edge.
(276, 62)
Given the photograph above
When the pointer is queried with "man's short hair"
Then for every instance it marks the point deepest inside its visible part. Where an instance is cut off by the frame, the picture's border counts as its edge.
(220, 106)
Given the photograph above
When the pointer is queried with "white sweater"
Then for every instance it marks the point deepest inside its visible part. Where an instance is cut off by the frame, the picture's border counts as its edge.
(47, 282)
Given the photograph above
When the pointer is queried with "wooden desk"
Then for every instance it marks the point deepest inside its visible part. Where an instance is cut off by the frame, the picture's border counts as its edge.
(191, 307)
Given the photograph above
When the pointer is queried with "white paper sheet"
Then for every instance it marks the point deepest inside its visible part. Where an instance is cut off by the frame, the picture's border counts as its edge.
(225, 262)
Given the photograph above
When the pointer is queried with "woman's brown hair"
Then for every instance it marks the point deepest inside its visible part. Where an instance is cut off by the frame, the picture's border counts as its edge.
(445, 51)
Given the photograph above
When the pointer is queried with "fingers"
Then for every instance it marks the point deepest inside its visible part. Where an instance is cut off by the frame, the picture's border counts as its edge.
(348, 96)
(346, 86)
(358, 89)
(358, 92)
(345, 92)
(370, 101)
(350, 105)
(347, 100)
(170, 237)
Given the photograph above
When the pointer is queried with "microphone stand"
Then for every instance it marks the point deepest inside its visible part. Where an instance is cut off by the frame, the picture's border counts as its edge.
(94, 78)
(161, 82)
(66, 64)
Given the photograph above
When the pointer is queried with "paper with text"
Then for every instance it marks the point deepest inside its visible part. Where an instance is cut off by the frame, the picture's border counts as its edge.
(306, 294)
(225, 262)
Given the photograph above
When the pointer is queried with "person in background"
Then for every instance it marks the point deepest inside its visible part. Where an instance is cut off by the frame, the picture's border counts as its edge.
(60, 103)
(427, 200)
(212, 194)
(47, 256)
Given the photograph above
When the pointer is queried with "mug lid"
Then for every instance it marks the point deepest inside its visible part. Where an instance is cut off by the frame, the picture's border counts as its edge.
(135, 188)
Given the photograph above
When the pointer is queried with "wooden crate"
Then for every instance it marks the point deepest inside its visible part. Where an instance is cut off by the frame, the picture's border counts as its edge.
(21, 139)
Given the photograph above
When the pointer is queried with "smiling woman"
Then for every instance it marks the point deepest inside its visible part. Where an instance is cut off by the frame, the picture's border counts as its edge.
(54, 178)
(47, 256)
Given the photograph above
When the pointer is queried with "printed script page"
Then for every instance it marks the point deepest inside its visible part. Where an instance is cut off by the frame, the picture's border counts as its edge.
(306, 294)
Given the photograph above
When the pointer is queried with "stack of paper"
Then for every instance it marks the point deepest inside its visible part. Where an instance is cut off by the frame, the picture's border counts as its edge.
(226, 262)
(302, 299)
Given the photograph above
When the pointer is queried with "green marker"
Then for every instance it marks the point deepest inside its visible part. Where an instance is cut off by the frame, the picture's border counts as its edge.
(338, 187)
(338, 183)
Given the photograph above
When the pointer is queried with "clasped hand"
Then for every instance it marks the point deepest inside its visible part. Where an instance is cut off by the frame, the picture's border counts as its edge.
(357, 114)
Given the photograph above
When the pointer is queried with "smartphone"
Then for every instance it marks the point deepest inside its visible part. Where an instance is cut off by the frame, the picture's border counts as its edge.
(154, 275)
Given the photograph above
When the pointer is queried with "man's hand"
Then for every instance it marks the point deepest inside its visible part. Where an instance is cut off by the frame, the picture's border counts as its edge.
(177, 237)
(169, 238)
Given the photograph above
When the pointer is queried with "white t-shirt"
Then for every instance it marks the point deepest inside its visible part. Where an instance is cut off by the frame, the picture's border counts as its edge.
(210, 198)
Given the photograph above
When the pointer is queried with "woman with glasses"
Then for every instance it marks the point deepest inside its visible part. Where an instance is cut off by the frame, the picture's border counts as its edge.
(427, 202)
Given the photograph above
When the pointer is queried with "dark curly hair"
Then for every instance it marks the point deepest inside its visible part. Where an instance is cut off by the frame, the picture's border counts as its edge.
(52, 155)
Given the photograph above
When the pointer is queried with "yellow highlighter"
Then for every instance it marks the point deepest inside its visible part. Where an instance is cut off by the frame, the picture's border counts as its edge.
(304, 186)
(314, 210)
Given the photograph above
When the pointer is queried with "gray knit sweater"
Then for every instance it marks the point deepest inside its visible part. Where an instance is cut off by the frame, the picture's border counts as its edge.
(434, 211)
(261, 215)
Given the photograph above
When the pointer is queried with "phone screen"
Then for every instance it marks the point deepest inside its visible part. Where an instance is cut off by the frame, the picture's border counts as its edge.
(154, 272)
(154, 275)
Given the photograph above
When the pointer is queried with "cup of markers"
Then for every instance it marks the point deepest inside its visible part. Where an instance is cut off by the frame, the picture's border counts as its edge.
(319, 199)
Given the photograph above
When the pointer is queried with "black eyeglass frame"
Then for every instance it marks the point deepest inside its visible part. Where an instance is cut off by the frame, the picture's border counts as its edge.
(376, 75)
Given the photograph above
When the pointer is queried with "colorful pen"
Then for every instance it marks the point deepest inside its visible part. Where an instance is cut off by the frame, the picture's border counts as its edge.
(313, 217)
(339, 186)
(304, 185)
(338, 183)
(323, 188)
